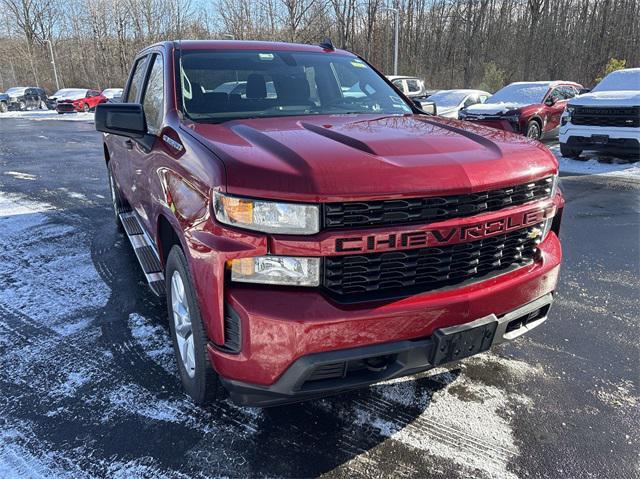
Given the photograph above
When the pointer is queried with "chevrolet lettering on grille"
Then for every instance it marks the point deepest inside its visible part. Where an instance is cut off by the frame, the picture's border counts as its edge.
(440, 236)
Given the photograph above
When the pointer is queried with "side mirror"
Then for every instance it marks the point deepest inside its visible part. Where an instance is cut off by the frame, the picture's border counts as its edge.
(550, 101)
(124, 119)
(426, 106)
(582, 91)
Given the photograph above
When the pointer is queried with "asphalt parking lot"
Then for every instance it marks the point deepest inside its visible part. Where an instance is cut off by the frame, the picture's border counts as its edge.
(89, 388)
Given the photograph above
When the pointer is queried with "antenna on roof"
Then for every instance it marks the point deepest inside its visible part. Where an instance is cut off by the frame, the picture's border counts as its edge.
(327, 44)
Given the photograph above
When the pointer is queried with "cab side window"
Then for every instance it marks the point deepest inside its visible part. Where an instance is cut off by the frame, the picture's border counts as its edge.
(470, 100)
(400, 85)
(153, 100)
(413, 86)
(136, 80)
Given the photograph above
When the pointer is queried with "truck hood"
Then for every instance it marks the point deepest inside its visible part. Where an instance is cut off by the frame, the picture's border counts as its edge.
(608, 98)
(351, 157)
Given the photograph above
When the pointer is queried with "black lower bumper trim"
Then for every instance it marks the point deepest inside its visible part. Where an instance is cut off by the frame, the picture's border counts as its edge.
(332, 372)
(613, 146)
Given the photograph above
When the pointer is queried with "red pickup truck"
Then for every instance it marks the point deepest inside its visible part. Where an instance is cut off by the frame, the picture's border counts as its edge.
(312, 229)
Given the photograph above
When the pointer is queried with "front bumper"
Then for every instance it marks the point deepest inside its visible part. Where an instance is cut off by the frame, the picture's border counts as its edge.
(65, 108)
(619, 141)
(327, 373)
(280, 326)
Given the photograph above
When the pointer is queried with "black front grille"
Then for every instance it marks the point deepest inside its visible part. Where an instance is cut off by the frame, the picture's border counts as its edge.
(616, 117)
(434, 208)
(392, 274)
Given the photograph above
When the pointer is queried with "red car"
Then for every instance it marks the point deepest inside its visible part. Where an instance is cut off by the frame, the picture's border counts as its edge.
(309, 242)
(529, 108)
(79, 99)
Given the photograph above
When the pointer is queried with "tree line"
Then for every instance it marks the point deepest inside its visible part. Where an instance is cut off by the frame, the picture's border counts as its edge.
(449, 43)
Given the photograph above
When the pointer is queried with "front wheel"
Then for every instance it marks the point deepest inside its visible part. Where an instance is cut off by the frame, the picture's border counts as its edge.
(43, 105)
(3, 107)
(533, 130)
(86, 108)
(572, 153)
(187, 331)
(22, 106)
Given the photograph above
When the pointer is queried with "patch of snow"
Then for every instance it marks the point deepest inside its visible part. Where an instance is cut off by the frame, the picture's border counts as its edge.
(43, 258)
(17, 461)
(475, 433)
(154, 340)
(48, 115)
(463, 420)
(595, 166)
(607, 98)
(627, 79)
(74, 381)
(20, 176)
(491, 108)
(135, 400)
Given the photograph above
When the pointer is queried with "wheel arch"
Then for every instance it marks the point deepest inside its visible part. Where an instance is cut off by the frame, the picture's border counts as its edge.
(166, 237)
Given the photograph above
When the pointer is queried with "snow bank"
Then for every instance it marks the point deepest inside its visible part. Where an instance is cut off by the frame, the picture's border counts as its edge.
(595, 165)
(48, 115)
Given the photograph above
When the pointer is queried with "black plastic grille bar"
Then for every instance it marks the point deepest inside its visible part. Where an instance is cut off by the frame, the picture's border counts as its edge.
(377, 276)
(423, 210)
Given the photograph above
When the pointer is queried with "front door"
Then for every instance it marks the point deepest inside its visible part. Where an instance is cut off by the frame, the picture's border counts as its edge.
(142, 162)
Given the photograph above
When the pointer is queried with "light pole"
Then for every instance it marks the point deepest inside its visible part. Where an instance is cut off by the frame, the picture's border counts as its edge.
(395, 39)
(53, 62)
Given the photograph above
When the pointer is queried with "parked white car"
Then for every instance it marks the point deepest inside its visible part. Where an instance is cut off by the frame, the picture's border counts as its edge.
(606, 120)
(449, 102)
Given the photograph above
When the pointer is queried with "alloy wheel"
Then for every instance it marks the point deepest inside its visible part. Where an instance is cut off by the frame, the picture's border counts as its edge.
(182, 324)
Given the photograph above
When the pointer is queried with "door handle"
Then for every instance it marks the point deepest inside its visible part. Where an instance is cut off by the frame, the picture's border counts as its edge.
(128, 144)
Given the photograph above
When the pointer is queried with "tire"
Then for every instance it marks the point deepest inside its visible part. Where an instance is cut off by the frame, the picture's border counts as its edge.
(43, 105)
(572, 153)
(533, 130)
(22, 106)
(198, 377)
(3, 107)
(118, 202)
(86, 108)
(60, 112)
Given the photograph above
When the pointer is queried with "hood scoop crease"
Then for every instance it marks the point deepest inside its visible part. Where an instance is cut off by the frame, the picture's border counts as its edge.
(339, 137)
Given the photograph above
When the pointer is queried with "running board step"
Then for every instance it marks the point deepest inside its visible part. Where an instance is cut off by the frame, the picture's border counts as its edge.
(145, 252)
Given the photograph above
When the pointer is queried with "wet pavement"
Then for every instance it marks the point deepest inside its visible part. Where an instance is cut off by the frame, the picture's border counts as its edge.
(89, 387)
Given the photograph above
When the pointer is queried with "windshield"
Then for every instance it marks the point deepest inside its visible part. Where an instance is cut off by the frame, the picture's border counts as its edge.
(220, 86)
(620, 80)
(521, 93)
(71, 93)
(112, 92)
(16, 90)
(448, 99)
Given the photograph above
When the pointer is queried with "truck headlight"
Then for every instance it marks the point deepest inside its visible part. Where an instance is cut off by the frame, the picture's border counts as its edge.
(281, 270)
(566, 115)
(267, 216)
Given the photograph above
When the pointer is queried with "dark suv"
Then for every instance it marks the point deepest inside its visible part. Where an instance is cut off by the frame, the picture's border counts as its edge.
(22, 98)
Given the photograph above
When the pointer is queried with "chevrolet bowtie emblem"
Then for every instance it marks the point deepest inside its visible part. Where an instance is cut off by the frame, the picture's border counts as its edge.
(534, 233)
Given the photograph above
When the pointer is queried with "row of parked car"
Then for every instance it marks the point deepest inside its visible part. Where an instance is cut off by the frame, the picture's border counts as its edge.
(605, 119)
(66, 100)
